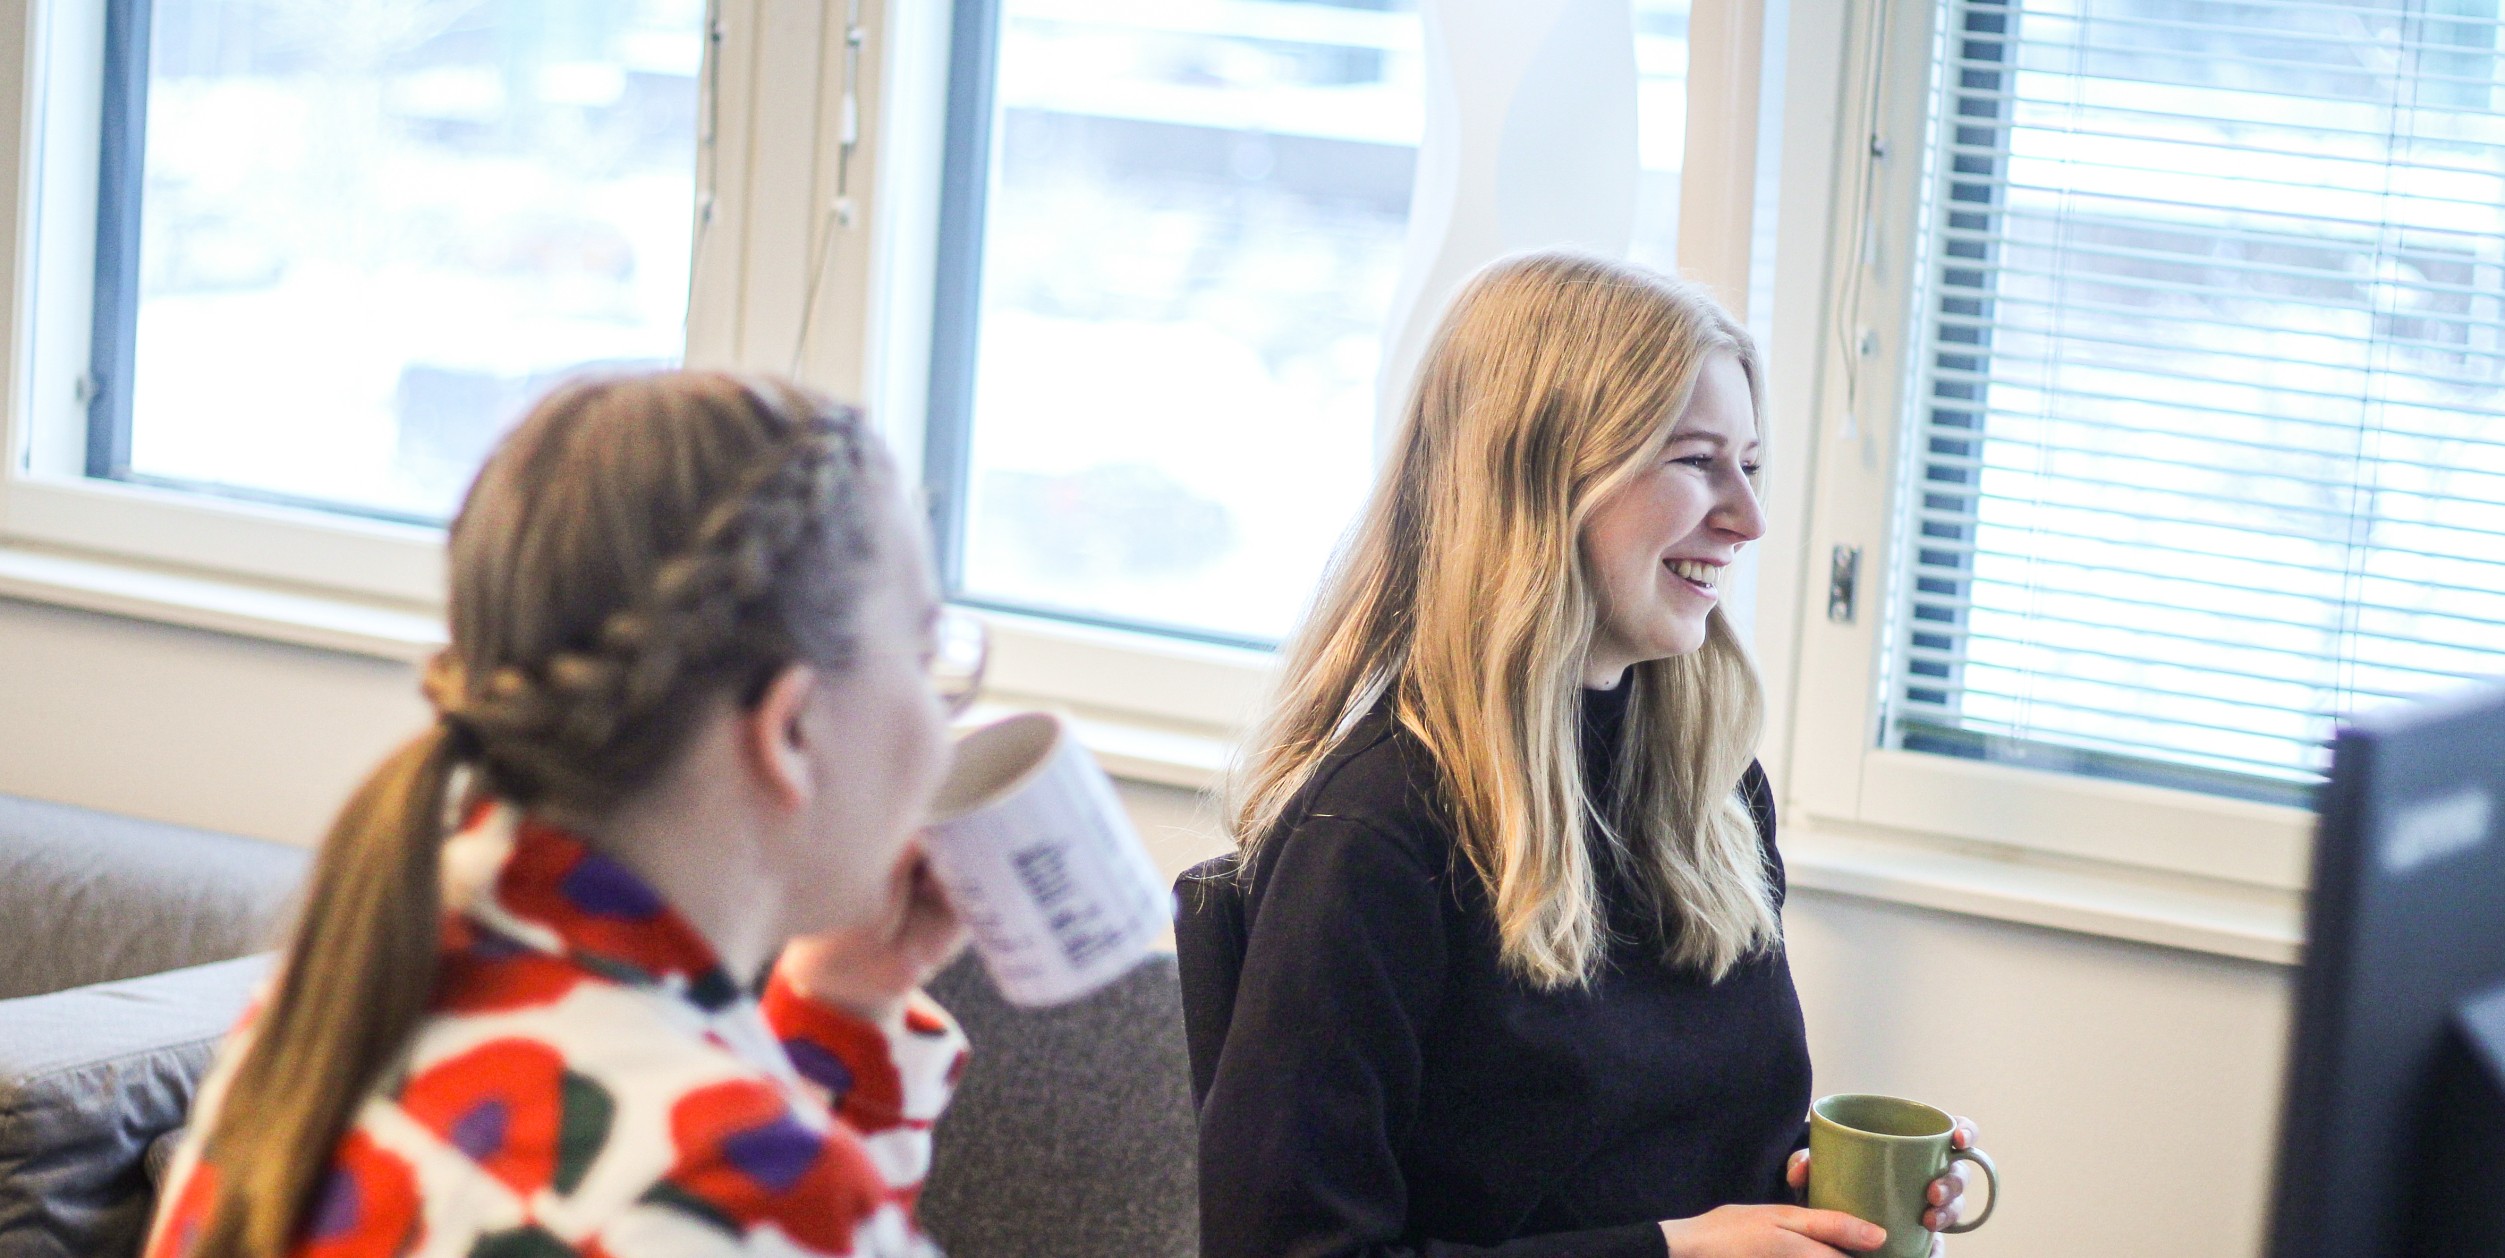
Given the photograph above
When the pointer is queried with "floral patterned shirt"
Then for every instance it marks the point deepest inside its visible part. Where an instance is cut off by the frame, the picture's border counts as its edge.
(589, 1080)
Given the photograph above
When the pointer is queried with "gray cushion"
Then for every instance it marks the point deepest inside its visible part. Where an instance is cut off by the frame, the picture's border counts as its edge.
(1071, 1134)
(89, 1078)
(159, 1160)
(101, 897)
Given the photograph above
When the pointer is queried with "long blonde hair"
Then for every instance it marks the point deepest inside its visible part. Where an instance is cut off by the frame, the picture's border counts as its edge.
(637, 547)
(1462, 595)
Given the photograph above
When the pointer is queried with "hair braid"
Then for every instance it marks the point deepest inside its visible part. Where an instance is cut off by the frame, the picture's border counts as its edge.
(552, 728)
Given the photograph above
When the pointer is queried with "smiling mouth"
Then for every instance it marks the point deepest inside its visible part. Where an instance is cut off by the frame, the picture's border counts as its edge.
(1698, 575)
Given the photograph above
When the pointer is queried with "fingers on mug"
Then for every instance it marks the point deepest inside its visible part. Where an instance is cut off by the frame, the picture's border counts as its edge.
(1991, 1186)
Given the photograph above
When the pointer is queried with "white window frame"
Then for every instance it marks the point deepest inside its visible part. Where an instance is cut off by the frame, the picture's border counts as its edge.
(2165, 865)
(315, 577)
(1170, 710)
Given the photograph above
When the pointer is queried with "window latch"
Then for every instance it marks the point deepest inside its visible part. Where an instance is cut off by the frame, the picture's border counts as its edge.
(1843, 583)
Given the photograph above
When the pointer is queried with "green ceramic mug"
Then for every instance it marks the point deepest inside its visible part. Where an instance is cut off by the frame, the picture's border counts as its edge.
(1874, 1157)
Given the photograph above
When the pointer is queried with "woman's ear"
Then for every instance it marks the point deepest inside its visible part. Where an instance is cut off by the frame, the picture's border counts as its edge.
(773, 738)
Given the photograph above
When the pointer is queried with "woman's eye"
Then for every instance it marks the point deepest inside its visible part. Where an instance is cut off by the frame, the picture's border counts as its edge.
(1750, 470)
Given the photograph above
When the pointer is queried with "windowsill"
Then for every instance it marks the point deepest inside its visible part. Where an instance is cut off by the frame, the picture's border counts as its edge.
(1131, 749)
(2101, 900)
(2108, 901)
(1175, 754)
(116, 587)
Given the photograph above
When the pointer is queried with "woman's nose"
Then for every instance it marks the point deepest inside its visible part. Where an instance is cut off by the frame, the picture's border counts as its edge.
(1738, 513)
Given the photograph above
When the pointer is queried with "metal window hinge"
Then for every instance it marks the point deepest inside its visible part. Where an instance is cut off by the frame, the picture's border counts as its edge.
(84, 388)
(1843, 583)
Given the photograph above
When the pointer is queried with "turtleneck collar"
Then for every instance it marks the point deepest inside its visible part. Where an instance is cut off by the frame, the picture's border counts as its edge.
(1604, 715)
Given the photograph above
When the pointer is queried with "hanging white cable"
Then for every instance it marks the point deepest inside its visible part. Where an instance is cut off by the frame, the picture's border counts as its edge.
(708, 147)
(841, 213)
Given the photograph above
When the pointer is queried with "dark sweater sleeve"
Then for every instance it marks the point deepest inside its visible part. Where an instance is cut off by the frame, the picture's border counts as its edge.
(1317, 1084)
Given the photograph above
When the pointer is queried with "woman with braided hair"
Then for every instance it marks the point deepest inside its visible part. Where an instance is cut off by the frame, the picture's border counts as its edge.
(686, 718)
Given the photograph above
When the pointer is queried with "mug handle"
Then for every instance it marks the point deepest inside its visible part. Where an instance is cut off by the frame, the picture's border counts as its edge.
(1991, 1180)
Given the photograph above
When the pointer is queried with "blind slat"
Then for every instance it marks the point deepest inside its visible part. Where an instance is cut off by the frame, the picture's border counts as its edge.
(1936, 460)
(2055, 319)
(2109, 53)
(2293, 569)
(2342, 40)
(2362, 399)
(2181, 641)
(2235, 446)
(1928, 656)
(2252, 531)
(2230, 625)
(2346, 249)
(2071, 109)
(2169, 723)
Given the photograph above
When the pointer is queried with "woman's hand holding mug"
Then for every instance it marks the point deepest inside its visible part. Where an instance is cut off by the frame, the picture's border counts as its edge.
(1882, 1138)
(869, 970)
(1770, 1232)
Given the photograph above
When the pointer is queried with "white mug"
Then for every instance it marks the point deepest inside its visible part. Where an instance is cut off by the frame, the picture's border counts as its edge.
(1038, 857)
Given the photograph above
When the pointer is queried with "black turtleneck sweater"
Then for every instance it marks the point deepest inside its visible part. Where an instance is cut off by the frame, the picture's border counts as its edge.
(1386, 1089)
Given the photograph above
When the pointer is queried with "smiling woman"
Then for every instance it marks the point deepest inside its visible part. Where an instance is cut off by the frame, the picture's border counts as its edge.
(1513, 977)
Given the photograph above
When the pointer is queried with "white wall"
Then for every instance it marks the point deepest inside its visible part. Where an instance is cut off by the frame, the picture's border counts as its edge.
(2130, 1091)
(191, 727)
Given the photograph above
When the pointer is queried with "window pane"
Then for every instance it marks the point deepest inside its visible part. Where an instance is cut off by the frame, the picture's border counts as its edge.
(2207, 448)
(1660, 129)
(1195, 225)
(372, 230)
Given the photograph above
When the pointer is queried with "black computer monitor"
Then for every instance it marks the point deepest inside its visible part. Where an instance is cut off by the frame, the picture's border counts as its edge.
(2392, 1139)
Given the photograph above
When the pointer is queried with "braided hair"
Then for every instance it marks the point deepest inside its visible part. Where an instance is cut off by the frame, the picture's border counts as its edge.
(637, 548)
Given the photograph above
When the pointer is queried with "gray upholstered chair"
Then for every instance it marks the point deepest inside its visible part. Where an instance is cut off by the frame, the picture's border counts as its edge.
(125, 959)
(1071, 1135)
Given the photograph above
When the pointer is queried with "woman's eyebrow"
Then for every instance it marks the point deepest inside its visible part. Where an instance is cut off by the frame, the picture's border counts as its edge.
(1718, 441)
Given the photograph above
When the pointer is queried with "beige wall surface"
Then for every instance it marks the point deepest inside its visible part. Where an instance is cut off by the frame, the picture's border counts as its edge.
(2129, 1092)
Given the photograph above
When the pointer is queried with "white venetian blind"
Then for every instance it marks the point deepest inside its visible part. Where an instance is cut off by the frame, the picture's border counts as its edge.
(2207, 446)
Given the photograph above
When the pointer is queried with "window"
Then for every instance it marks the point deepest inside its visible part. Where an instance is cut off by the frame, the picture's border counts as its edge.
(1172, 239)
(342, 243)
(2204, 443)
(284, 269)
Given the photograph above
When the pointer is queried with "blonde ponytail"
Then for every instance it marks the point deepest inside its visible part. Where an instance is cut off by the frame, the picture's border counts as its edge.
(352, 988)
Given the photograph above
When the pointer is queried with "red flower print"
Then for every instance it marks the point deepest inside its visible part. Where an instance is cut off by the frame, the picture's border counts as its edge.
(512, 1107)
(744, 1160)
(612, 922)
(483, 972)
(365, 1207)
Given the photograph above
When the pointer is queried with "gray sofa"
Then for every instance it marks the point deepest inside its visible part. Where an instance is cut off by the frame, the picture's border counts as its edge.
(127, 948)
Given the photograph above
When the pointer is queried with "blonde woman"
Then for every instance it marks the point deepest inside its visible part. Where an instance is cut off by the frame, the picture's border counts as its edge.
(686, 705)
(1512, 977)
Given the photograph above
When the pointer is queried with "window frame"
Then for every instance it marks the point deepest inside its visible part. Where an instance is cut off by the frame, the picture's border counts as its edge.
(1192, 692)
(166, 553)
(1853, 422)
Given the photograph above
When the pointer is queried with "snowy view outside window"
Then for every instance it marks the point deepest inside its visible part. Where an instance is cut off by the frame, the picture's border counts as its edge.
(1194, 229)
(2207, 444)
(373, 230)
